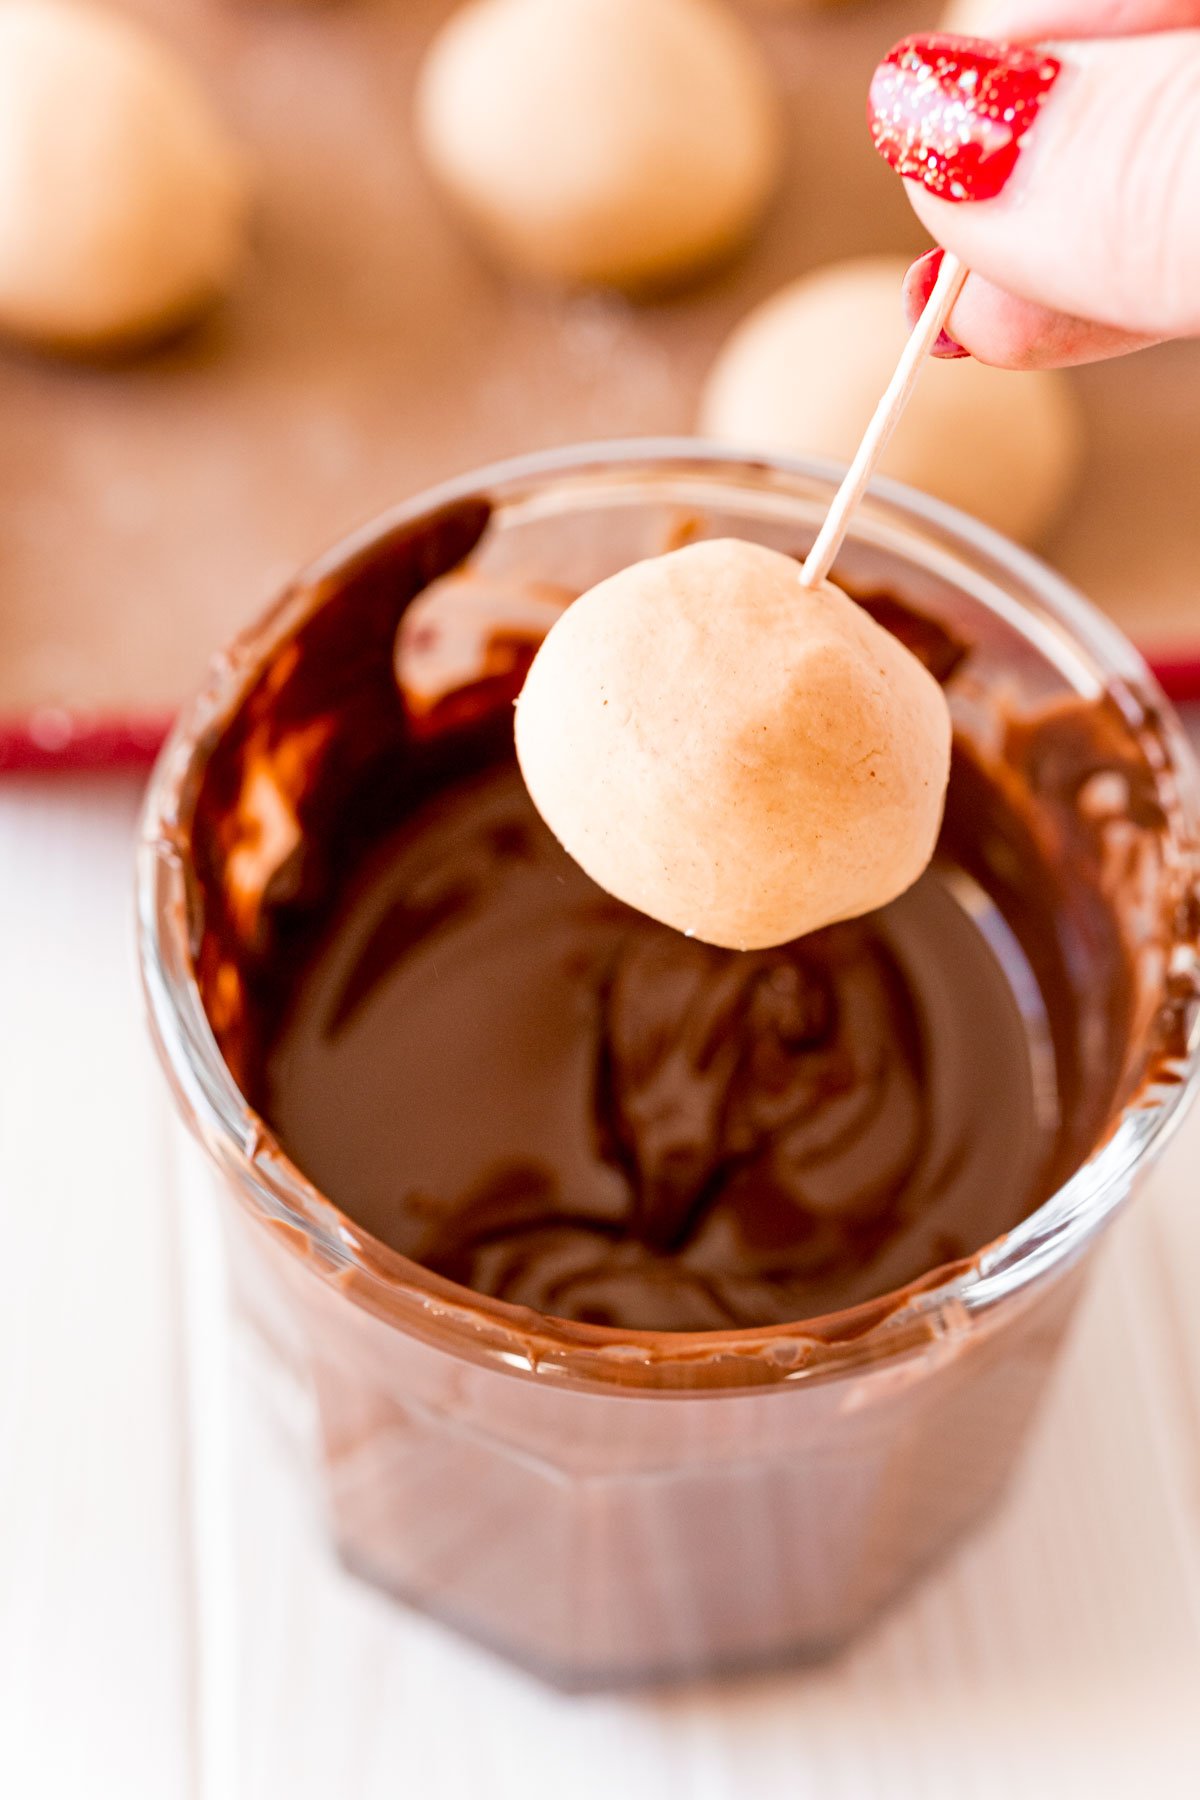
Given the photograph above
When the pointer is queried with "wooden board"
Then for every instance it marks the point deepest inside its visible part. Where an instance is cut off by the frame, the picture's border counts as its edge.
(146, 511)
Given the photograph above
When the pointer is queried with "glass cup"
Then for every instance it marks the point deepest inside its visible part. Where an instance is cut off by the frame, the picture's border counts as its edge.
(607, 1506)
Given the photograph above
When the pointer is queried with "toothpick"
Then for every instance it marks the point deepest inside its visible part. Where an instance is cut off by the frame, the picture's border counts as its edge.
(937, 309)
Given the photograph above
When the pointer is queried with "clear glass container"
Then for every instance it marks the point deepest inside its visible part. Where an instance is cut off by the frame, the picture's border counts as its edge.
(607, 1506)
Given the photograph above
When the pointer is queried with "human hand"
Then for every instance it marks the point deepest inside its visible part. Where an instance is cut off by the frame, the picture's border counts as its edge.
(1061, 163)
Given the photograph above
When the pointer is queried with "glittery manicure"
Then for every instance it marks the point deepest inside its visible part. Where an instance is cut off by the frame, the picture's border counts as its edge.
(919, 280)
(952, 112)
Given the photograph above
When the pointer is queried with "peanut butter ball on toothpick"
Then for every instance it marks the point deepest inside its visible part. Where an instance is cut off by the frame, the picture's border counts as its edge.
(735, 754)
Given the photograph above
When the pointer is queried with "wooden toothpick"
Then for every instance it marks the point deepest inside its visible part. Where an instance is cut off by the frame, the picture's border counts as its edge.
(946, 290)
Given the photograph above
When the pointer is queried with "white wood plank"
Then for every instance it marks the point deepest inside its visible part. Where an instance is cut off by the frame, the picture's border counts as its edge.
(1058, 1654)
(95, 1615)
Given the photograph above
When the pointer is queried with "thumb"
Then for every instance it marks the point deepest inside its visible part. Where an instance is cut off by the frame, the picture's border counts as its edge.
(1068, 176)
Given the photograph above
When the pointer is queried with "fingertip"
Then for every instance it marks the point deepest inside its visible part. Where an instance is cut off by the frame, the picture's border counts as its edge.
(1007, 332)
(1010, 333)
(917, 286)
(918, 283)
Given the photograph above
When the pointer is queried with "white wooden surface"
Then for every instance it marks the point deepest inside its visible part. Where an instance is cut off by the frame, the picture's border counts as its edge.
(171, 1625)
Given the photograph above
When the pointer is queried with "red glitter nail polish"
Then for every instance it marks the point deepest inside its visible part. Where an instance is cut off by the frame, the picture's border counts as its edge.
(918, 285)
(952, 112)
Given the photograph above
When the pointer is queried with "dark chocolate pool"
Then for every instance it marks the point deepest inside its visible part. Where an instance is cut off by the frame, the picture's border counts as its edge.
(514, 1080)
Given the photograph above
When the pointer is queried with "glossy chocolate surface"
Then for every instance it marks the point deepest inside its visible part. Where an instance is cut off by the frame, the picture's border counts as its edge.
(512, 1079)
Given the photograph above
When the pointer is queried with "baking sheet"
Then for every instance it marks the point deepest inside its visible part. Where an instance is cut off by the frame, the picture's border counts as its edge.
(148, 510)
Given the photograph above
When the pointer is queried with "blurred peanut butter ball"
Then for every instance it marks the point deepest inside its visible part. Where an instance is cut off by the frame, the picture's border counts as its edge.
(973, 18)
(803, 374)
(607, 142)
(122, 195)
(735, 754)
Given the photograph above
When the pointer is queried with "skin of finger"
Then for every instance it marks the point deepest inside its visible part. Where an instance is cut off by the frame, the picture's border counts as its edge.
(1011, 333)
(1101, 218)
(1028, 21)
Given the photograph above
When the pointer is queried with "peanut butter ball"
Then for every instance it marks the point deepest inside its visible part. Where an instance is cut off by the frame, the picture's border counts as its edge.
(122, 195)
(804, 371)
(732, 753)
(974, 18)
(610, 142)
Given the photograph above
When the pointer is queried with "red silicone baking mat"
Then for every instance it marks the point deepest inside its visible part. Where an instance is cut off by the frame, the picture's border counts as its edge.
(148, 510)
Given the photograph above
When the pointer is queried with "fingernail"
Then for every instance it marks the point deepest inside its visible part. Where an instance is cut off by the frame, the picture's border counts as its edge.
(917, 287)
(953, 112)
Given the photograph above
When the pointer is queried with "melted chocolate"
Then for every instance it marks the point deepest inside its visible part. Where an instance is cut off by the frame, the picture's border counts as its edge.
(541, 1094)
(511, 1078)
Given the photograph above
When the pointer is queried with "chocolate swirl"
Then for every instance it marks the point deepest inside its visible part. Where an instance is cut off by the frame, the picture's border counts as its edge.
(546, 1097)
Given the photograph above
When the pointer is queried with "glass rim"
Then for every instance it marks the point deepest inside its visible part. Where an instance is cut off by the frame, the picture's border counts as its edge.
(495, 1331)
